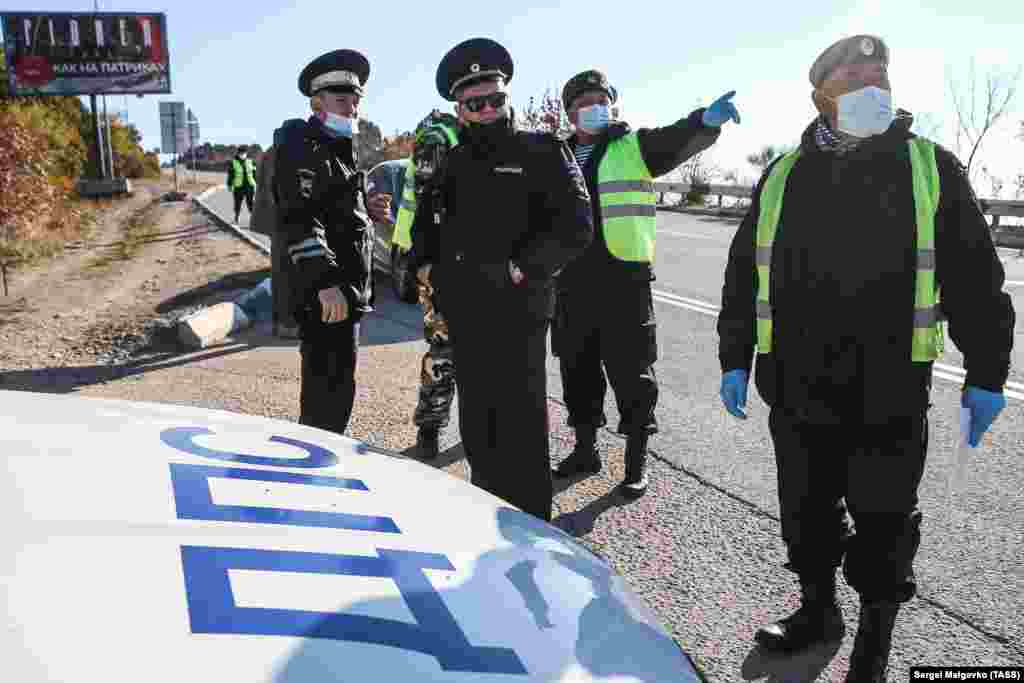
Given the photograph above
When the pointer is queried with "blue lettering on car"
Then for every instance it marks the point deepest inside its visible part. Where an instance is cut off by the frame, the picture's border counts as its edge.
(211, 603)
(212, 608)
(183, 439)
(193, 500)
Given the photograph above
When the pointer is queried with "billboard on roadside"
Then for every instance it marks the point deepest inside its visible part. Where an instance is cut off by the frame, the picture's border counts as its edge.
(86, 53)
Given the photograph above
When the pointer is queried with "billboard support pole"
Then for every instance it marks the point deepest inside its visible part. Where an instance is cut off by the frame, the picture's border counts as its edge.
(101, 167)
(110, 142)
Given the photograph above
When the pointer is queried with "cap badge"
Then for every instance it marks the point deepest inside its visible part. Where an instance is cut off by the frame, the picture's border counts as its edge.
(867, 46)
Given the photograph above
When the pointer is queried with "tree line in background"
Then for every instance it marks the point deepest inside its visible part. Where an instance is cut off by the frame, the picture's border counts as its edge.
(45, 148)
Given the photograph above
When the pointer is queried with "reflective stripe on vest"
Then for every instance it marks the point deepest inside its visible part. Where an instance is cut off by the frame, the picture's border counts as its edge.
(928, 334)
(243, 171)
(406, 210)
(627, 200)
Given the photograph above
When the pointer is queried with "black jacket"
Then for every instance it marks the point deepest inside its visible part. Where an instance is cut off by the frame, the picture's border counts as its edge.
(663, 149)
(518, 196)
(842, 286)
(321, 198)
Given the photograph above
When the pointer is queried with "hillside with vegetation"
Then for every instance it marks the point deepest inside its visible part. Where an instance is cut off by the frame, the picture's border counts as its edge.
(46, 147)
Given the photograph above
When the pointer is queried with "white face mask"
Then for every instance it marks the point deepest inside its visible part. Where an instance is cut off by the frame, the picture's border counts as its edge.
(865, 112)
(342, 125)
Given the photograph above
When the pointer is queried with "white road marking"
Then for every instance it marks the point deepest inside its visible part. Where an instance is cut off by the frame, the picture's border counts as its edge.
(949, 373)
(694, 236)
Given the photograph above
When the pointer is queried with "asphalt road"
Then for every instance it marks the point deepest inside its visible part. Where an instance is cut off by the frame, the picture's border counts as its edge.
(709, 526)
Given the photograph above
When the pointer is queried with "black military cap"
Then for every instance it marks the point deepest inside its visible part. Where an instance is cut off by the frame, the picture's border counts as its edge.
(472, 60)
(591, 79)
(342, 70)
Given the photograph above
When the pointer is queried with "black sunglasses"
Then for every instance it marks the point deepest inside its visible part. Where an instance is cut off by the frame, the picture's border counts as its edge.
(477, 103)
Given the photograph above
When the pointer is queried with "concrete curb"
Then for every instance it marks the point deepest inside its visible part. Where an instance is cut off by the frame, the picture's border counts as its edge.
(224, 223)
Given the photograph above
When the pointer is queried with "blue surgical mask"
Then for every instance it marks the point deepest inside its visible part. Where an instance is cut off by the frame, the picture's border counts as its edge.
(595, 118)
(340, 125)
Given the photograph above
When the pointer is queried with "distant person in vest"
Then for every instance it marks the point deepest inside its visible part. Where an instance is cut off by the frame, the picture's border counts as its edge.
(242, 181)
(857, 246)
(326, 215)
(435, 135)
(604, 319)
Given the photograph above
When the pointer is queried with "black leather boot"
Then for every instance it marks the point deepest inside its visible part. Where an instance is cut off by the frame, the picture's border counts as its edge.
(818, 620)
(584, 458)
(870, 656)
(427, 442)
(634, 484)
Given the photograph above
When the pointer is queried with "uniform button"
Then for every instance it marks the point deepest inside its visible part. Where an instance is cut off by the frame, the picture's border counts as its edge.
(458, 256)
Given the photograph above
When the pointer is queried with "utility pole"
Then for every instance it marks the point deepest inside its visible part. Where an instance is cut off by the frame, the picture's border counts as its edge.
(174, 128)
(193, 137)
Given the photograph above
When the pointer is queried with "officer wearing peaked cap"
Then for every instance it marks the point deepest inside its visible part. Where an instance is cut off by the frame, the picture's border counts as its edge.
(605, 315)
(325, 213)
(512, 210)
(858, 247)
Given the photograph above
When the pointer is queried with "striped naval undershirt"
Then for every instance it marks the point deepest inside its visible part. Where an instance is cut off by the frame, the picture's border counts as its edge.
(582, 153)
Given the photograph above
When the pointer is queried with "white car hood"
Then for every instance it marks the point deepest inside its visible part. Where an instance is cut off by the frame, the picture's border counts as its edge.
(153, 542)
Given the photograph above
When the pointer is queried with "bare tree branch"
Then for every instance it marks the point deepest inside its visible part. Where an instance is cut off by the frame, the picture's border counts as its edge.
(977, 115)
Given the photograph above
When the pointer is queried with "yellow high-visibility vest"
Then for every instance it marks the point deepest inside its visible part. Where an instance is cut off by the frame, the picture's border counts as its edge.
(929, 335)
(244, 173)
(628, 201)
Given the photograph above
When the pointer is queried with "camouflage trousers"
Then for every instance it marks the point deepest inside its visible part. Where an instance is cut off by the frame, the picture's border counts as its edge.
(437, 372)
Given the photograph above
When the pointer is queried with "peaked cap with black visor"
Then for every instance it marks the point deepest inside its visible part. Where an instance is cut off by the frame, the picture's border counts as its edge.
(472, 60)
(340, 71)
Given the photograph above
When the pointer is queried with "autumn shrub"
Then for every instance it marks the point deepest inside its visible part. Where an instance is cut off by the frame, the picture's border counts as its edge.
(59, 126)
(36, 216)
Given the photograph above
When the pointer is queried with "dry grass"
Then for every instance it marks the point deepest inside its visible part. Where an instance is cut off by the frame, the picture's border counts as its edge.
(138, 229)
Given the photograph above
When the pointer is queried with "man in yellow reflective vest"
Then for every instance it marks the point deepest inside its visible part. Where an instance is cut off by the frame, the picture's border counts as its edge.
(436, 135)
(242, 181)
(604, 320)
(858, 245)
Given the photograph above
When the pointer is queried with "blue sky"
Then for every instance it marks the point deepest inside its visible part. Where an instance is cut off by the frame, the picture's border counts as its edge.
(236, 63)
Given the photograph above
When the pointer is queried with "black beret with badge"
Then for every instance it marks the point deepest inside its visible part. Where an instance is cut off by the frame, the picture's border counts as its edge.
(851, 50)
(343, 71)
(591, 79)
(472, 60)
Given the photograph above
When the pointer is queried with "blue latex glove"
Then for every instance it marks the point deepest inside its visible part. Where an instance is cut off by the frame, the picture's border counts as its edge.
(720, 111)
(734, 392)
(985, 407)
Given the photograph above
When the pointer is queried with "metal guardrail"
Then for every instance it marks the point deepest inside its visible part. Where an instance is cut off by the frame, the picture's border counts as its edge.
(1005, 236)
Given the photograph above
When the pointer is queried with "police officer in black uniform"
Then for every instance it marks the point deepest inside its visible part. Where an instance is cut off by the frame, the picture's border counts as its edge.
(322, 204)
(605, 319)
(515, 211)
